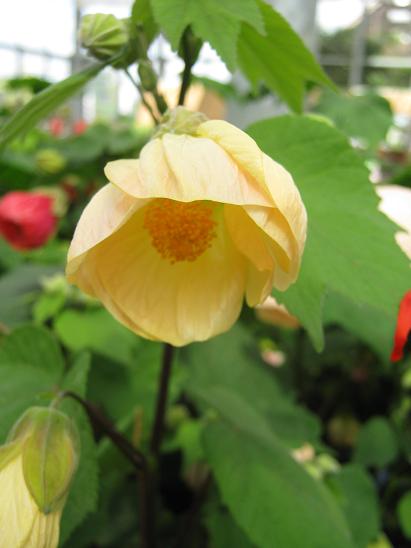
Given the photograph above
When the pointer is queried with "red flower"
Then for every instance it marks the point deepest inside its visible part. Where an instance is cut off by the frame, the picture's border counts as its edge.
(56, 126)
(403, 328)
(26, 219)
(79, 127)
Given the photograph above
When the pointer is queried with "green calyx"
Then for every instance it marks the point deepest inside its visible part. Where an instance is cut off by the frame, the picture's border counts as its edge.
(103, 35)
(49, 444)
(180, 121)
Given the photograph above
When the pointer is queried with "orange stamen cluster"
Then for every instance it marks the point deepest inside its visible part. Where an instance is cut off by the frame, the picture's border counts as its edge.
(180, 231)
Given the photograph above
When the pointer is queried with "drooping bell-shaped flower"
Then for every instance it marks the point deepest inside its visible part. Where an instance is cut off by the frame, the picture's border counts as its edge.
(177, 239)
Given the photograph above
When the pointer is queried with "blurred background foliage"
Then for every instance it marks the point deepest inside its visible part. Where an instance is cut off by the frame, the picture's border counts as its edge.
(276, 436)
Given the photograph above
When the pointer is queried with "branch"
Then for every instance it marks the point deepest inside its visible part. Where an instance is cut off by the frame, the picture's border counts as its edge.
(158, 428)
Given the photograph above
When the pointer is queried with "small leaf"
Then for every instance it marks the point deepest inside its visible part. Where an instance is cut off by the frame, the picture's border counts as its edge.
(45, 102)
(404, 514)
(95, 330)
(377, 443)
(365, 117)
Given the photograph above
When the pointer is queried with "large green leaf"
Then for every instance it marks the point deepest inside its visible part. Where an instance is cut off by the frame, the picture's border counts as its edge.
(272, 497)
(212, 20)
(367, 322)
(45, 102)
(350, 246)
(358, 497)
(279, 59)
(235, 370)
(250, 449)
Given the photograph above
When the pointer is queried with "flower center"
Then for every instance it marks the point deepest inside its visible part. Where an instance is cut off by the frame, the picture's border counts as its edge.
(180, 231)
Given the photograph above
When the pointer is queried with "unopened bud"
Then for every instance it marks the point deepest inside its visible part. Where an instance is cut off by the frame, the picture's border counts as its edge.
(50, 453)
(103, 35)
(147, 75)
(50, 161)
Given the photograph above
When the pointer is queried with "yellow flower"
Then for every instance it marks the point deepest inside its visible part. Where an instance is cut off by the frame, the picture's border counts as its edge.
(22, 524)
(36, 469)
(178, 237)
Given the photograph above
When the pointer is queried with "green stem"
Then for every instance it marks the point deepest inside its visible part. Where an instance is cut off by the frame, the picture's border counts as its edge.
(188, 65)
(143, 99)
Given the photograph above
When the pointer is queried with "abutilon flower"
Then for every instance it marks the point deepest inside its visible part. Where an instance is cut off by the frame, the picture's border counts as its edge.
(36, 468)
(178, 237)
(27, 220)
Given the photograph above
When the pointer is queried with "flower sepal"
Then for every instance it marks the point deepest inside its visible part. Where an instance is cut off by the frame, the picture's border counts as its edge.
(49, 445)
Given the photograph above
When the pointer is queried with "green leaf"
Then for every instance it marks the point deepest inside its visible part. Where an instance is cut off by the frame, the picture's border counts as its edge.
(350, 248)
(366, 117)
(377, 444)
(280, 59)
(357, 495)
(222, 529)
(45, 102)
(16, 292)
(404, 514)
(271, 497)
(250, 450)
(32, 346)
(367, 322)
(141, 14)
(216, 22)
(48, 305)
(31, 365)
(235, 370)
(83, 494)
(96, 330)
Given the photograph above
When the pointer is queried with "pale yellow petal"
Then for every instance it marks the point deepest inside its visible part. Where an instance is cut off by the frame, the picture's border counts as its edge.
(259, 285)
(105, 213)
(45, 531)
(178, 303)
(264, 237)
(270, 311)
(18, 510)
(266, 172)
(186, 168)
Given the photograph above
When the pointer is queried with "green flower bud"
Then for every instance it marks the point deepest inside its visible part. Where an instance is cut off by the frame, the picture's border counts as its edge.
(49, 446)
(147, 75)
(103, 35)
(50, 161)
